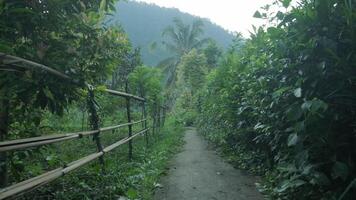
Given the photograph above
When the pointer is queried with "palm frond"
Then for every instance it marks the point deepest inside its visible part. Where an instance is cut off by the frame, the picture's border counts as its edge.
(182, 39)
(167, 62)
(198, 44)
(173, 49)
(171, 33)
(196, 30)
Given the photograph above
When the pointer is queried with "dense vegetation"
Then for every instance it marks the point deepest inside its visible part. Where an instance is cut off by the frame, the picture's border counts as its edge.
(72, 37)
(283, 105)
(146, 24)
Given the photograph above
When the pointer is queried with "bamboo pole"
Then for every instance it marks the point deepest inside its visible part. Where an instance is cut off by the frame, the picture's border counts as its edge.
(124, 94)
(49, 139)
(95, 122)
(33, 64)
(145, 123)
(123, 141)
(128, 111)
(27, 185)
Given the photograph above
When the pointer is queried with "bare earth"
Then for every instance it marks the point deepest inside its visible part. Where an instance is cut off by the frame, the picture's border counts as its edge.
(198, 173)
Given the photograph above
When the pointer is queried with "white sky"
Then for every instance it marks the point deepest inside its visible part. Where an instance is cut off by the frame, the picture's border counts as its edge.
(233, 15)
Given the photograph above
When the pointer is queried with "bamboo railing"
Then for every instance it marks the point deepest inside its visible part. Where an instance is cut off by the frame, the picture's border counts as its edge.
(96, 132)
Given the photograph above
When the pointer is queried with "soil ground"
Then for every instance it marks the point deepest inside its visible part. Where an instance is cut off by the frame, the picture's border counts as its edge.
(198, 173)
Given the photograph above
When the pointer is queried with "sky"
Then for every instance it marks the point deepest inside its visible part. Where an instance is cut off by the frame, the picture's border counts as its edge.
(233, 15)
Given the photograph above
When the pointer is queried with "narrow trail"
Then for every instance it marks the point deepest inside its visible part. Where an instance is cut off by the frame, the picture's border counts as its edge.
(198, 173)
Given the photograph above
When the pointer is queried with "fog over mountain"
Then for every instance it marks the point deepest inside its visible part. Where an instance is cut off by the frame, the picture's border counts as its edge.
(144, 24)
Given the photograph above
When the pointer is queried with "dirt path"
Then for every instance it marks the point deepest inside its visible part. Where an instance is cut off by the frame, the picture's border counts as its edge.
(198, 173)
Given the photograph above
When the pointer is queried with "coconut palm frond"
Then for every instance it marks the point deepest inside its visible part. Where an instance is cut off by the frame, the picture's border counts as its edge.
(182, 38)
(171, 33)
(166, 64)
(201, 43)
(172, 48)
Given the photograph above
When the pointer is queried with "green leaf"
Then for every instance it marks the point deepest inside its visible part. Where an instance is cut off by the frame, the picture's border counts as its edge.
(283, 186)
(306, 105)
(286, 3)
(294, 113)
(340, 170)
(132, 193)
(318, 105)
(315, 105)
(286, 184)
(103, 5)
(298, 182)
(298, 92)
(308, 169)
(259, 126)
(301, 159)
(48, 94)
(320, 179)
(280, 15)
(299, 127)
(292, 139)
(274, 32)
(257, 15)
(21, 11)
(289, 168)
(280, 91)
(5, 47)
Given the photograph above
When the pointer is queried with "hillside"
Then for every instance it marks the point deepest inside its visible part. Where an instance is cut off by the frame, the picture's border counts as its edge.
(144, 24)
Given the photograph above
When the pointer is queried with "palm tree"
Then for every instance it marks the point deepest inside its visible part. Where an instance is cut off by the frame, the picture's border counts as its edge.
(180, 39)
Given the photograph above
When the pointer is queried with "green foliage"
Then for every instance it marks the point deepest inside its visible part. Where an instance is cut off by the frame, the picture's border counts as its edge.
(180, 40)
(184, 108)
(147, 82)
(63, 35)
(193, 68)
(135, 180)
(67, 36)
(71, 37)
(284, 105)
(119, 78)
(212, 53)
(191, 78)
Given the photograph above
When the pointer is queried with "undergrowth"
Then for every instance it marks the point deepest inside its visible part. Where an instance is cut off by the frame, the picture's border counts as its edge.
(120, 177)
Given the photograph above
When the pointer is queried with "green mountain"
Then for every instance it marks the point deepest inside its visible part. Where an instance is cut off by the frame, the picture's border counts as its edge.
(144, 24)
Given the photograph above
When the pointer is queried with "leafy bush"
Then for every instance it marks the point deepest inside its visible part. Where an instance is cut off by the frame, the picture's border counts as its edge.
(285, 103)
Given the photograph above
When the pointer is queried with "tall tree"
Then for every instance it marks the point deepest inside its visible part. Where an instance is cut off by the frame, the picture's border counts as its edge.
(130, 61)
(192, 71)
(67, 36)
(180, 39)
(212, 53)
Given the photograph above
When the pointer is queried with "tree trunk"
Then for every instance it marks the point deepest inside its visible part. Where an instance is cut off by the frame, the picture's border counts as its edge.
(129, 118)
(159, 118)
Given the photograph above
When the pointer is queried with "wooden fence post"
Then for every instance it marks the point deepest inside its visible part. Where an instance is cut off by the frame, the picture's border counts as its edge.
(128, 111)
(154, 119)
(143, 114)
(145, 122)
(95, 121)
(164, 116)
(159, 118)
